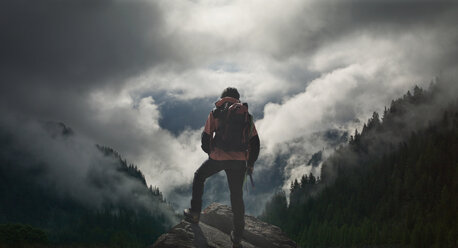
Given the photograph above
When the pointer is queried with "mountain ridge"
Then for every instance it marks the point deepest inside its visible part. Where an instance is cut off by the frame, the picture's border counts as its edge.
(393, 184)
(112, 205)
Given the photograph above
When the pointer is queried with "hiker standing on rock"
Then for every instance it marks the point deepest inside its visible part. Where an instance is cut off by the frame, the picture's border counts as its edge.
(232, 143)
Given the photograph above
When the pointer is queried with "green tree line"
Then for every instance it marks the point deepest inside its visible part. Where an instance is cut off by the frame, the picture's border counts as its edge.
(32, 211)
(374, 191)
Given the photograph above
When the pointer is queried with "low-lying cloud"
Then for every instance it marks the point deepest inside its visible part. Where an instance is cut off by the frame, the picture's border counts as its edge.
(70, 166)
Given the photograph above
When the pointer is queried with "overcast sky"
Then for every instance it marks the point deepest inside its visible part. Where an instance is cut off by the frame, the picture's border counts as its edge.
(142, 76)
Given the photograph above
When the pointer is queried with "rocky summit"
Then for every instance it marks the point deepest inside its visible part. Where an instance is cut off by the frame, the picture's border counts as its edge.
(214, 229)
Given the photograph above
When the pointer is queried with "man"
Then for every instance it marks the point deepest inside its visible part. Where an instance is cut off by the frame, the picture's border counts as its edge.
(232, 143)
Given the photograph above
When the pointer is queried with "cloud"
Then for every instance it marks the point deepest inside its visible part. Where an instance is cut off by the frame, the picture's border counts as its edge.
(124, 72)
(68, 165)
(74, 44)
(165, 159)
(54, 53)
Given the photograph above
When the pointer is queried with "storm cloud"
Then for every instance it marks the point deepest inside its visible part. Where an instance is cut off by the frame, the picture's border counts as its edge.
(139, 75)
(79, 44)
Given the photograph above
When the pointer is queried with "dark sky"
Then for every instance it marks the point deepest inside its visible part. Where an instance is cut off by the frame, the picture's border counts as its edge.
(141, 76)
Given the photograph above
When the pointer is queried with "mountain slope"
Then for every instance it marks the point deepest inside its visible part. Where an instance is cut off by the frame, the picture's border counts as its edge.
(75, 191)
(395, 183)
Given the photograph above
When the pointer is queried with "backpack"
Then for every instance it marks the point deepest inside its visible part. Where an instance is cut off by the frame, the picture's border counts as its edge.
(234, 129)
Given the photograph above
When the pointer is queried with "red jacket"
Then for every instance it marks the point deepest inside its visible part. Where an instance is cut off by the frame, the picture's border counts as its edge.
(217, 154)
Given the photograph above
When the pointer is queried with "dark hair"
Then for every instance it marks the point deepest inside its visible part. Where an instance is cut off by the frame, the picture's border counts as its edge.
(230, 92)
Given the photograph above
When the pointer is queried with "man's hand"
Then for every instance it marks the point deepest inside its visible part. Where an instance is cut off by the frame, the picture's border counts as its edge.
(249, 169)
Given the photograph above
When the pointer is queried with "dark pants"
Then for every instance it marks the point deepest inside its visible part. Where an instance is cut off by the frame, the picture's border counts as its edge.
(235, 172)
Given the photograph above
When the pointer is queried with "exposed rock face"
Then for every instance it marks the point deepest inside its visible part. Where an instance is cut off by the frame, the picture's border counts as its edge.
(214, 229)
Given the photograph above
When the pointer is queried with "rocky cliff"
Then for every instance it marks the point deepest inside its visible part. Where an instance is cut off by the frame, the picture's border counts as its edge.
(214, 229)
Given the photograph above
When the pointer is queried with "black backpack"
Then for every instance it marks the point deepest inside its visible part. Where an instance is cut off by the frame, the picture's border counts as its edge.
(234, 127)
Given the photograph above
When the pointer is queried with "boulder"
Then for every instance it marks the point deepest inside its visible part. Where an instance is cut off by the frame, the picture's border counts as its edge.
(214, 229)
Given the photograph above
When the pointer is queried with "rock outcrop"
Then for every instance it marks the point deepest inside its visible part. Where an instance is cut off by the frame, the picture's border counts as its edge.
(214, 229)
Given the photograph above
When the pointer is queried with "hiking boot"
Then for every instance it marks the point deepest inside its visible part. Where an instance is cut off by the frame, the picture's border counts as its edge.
(236, 241)
(191, 216)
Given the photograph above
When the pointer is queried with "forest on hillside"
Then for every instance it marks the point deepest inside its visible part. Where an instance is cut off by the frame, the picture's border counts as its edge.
(394, 183)
(34, 209)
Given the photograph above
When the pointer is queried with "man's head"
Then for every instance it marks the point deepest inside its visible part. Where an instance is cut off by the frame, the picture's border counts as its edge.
(230, 92)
